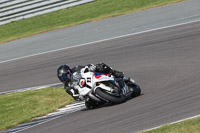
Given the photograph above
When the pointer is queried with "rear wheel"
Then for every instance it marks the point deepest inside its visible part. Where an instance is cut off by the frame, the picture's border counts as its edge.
(109, 97)
(91, 104)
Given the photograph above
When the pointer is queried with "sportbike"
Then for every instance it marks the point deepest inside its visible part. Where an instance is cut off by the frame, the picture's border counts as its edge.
(98, 88)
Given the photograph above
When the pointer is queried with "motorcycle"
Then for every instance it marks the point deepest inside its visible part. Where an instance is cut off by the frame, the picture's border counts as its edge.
(98, 89)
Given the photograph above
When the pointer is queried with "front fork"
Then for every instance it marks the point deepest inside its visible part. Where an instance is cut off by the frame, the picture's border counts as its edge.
(125, 89)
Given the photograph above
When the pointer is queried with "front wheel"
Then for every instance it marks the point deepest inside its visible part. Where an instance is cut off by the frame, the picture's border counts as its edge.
(136, 89)
(109, 97)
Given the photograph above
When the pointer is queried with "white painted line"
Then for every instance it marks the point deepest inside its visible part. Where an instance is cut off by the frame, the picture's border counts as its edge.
(89, 43)
(65, 109)
(174, 122)
(186, 119)
(32, 88)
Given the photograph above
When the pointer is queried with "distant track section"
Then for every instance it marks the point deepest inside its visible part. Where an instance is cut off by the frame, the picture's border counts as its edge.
(20, 9)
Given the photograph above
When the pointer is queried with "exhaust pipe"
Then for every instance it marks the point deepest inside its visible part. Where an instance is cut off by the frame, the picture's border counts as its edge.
(93, 97)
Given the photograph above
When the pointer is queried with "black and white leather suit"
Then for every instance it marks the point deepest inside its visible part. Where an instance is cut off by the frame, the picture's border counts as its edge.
(73, 86)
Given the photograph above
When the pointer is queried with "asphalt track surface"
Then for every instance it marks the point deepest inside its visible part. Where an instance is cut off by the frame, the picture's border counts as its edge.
(165, 63)
(163, 16)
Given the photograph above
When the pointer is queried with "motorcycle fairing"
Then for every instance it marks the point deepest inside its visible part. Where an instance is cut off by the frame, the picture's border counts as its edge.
(98, 75)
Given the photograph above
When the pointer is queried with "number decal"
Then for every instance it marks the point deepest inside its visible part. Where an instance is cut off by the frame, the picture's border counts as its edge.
(89, 80)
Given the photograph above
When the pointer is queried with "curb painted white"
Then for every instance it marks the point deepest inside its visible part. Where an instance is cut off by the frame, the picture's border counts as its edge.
(31, 9)
(68, 109)
(89, 43)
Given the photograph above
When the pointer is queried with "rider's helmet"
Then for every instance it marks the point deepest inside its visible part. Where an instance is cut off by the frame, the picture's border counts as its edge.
(64, 74)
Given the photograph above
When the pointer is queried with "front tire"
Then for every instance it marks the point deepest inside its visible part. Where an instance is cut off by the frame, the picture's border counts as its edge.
(109, 97)
(136, 88)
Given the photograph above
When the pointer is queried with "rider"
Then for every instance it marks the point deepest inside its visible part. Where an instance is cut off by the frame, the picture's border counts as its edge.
(70, 77)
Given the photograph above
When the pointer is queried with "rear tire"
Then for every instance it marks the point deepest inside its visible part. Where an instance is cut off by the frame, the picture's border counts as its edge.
(110, 98)
(90, 104)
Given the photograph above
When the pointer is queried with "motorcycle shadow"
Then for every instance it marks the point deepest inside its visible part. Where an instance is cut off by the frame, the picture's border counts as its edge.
(110, 104)
(100, 106)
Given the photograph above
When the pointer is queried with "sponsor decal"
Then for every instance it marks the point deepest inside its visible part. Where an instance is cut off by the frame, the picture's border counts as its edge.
(98, 75)
(82, 82)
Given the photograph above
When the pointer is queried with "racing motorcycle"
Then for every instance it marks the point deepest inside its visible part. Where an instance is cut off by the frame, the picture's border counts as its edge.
(98, 89)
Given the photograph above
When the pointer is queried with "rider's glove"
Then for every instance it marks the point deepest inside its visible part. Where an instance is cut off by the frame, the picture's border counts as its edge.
(91, 67)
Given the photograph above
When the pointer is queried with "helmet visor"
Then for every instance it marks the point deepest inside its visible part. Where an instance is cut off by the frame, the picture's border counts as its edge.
(66, 77)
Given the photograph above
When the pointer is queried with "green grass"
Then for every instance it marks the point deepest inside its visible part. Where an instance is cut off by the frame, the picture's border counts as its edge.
(76, 15)
(187, 126)
(22, 107)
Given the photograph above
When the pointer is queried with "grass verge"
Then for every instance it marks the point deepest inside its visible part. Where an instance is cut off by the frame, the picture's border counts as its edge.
(187, 126)
(76, 15)
(22, 107)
